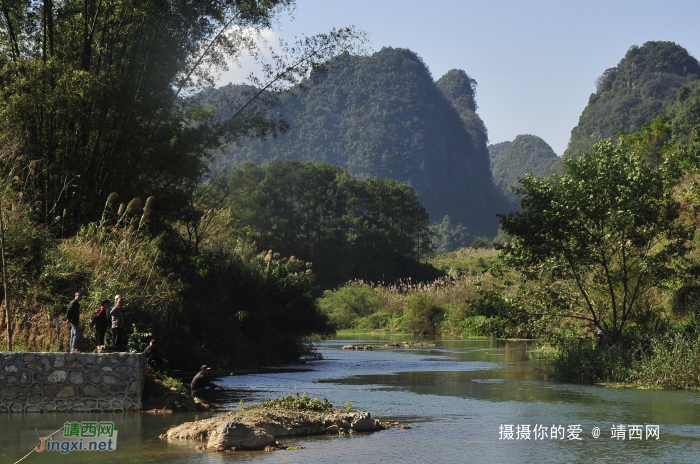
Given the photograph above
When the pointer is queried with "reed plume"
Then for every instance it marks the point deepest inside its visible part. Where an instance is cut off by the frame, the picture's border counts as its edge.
(133, 205)
(110, 199)
(147, 209)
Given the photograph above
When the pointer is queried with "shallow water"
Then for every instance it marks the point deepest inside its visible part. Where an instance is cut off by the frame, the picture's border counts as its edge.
(456, 395)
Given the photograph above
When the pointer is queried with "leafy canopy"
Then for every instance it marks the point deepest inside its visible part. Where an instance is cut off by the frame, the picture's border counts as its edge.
(610, 227)
(90, 93)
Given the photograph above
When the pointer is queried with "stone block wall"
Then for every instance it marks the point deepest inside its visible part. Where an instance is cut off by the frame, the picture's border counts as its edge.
(62, 382)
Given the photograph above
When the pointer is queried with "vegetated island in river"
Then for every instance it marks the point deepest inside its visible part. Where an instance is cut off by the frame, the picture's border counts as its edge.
(258, 427)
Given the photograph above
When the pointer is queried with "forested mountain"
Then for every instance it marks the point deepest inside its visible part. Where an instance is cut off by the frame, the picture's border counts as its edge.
(384, 116)
(527, 153)
(460, 90)
(495, 152)
(643, 85)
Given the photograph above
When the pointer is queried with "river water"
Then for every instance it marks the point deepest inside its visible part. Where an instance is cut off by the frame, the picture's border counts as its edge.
(459, 397)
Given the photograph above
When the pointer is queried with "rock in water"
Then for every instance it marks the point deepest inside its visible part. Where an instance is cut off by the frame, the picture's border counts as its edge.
(234, 435)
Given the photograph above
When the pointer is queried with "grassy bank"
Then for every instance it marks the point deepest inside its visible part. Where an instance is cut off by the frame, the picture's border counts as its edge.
(193, 304)
(467, 301)
(671, 360)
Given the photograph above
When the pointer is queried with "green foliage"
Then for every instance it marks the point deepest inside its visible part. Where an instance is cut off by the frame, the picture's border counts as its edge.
(525, 154)
(137, 340)
(299, 403)
(384, 116)
(684, 116)
(264, 303)
(111, 260)
(609, 228)
(450, 236)
(493, 314)
(466, 261)
(642, 86)
(167, 381)
(496, 151)
(481, 242)
(90, 95)
(435, 307)
(348, 227)
(460, 90)
(671, 360)
(348, 406)
(422, 316)
(346, 306)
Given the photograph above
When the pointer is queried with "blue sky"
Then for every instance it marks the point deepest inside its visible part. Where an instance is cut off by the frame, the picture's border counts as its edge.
(536, 62)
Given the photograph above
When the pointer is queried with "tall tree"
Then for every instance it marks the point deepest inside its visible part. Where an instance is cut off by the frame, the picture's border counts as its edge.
(609, 227)
(349, 228)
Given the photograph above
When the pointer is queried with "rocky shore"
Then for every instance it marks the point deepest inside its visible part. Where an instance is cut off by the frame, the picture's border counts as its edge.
(260, 427)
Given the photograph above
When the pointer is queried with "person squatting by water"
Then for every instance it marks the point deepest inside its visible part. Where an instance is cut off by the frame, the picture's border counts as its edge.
(100, 322)
(153, 358)
(73, 318)
(117, 316)
(201, 385)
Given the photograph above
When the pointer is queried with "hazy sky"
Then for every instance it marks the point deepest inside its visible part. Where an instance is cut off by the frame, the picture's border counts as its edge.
(536, 62)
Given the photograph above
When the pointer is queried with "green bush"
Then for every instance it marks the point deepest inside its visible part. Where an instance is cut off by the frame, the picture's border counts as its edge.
(299, 403)
(503, 317)
(350, 303)
(422, 316)
(668, 361)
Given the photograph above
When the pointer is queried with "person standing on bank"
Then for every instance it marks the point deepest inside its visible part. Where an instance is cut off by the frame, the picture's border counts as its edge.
(101, 321)
(73, 318)
(117, 315)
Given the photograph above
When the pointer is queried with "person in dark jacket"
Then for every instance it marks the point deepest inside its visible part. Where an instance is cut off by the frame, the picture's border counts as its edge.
(201, 385)
(73, 318)
(100, 322)
(117, 316)
(153, 358)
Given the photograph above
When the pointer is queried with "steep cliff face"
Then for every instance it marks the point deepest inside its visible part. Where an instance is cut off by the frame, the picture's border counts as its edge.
(384, 116)
(642, 86)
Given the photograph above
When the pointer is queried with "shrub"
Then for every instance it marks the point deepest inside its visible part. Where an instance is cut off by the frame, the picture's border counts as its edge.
(299, 403)
(422, 315)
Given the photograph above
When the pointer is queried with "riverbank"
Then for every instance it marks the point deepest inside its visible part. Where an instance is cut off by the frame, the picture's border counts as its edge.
(668, 361)
(259, 427)
(164, 394)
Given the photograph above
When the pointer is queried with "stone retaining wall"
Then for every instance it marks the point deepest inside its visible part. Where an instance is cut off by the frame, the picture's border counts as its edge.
(62, 382)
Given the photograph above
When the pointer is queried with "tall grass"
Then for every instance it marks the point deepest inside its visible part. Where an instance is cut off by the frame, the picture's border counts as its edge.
(671, 360)
(414, 307)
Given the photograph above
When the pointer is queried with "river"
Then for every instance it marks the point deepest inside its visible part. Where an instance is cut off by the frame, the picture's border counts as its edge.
(460, 398)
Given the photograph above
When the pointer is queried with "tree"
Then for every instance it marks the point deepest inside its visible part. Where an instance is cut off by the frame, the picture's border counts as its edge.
(370, 228)
(610, 227)
(94, 91)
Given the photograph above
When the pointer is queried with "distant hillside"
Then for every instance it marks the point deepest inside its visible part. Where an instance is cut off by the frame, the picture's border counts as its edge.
(384, 116)
(460, 90)
(495, 152)
(643, 85)
(527, 153)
